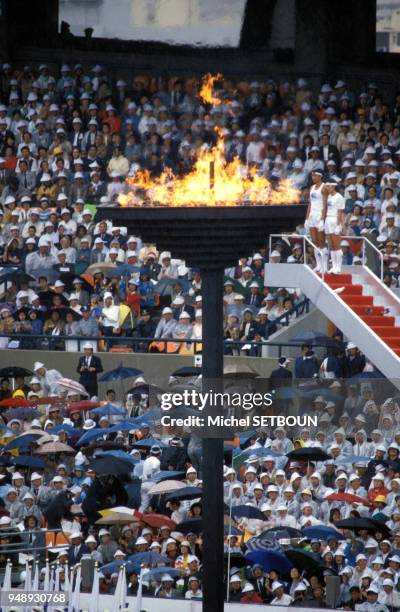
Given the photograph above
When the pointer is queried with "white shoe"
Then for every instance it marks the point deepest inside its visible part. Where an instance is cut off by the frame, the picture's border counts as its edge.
(331, 271)
(317, 269)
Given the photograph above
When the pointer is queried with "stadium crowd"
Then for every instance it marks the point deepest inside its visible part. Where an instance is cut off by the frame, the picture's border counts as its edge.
(105, 480)
(70, 138)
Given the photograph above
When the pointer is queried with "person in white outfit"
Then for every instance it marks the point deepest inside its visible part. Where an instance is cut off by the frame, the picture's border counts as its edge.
(314, 220)
(334, 219)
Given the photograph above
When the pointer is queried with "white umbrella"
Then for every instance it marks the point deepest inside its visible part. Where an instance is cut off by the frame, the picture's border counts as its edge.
(72, 385)
(166, 486)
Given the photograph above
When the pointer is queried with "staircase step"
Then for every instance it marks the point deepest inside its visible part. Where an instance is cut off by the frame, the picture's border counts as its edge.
(383, 331)
(357, 300)
(378, 320)
(347, 289)
(367, 310)
(338, 278)
(392, 342)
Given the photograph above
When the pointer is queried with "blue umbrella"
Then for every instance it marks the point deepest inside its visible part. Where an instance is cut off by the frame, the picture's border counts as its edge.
(194, 525)
(186, 493)
(22, 413)
(322, 532)
(148, 442)
(121, 454)
(158, 572)
(92, 434)
(68, 429)
(109, 410)
(353, 459)
(123, 270)
(232, 530)
(315, 337)
(148, 557)
(4, 460)
(113, 567)
(165, 287)
(30, 462)
(327, 394)
(261, 452)
(120, 373)
(167, 475)
(124, 425)
(22, 441)
(270, 560)
(248, 512)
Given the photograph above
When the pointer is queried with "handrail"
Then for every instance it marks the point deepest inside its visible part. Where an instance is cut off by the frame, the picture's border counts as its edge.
(364, 239)
(304, 239)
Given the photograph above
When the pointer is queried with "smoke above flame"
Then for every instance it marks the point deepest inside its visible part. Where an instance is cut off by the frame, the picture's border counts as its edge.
(212, 181)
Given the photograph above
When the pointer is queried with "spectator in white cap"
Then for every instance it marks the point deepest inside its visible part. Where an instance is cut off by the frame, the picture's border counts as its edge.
(166, 325)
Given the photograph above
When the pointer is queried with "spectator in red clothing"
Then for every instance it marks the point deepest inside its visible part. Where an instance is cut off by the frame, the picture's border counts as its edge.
(249, 595)
(133, 297)
(377, 487)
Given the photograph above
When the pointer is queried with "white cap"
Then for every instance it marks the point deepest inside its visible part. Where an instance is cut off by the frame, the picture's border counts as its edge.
(248, 587)
(166, 310)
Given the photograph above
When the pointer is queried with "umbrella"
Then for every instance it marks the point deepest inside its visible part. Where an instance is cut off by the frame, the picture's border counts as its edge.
(347, 497)
(148, 442)
(148, 557)
(145, 389)
(120, 373)
(68, 429)
(315, 337)
(123, 509)
(54, 447)
(101, 267)
(122, 455)
(14, 371)
(92, 434)
(270, 560)
(186, 493)
(108, 410)
(353, 459)
(269, 539)
(322, 532)
(123, 270)
(327, 394)
(110, 465)
(306, 561)
(158, 520)
(28, 461)
(117, 518)
(191, 525)
(72, 385)
(165, 287)
(231, 530)
(4, 460)
(83, 405)
(308, 454)
(156, 572)
(168, 475)
(167, 486)
(286, 393)
(260, 451)
(22, 441)
(356, 523)
(12, 274)
(248, 512)
(15, 402)
(113, 567)
(187, 371)
(239, 371)
(22, 413)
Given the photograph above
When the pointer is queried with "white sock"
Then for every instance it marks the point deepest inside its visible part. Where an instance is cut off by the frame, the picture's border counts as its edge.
(339, 259)
(325, 258)
(318, 259)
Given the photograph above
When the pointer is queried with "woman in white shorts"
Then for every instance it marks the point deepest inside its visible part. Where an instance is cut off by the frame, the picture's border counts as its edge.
(334, 219)
(314, 220)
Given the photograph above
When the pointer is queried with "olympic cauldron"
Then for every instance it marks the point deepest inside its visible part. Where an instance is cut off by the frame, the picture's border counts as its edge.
(210, 238)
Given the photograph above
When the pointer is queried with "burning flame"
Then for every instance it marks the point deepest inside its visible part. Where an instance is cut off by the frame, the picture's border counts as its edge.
(212, 181)
(206, 90)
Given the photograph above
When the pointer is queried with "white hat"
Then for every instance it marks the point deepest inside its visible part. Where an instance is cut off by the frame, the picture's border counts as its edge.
(248, 587)
(235, 578)
(119, 552)
(184, 315)
(103, 532)
(36, 476)
(140, 541)
(89, 424)
(5, 520)
(90, 540)
(166, 578)
(351, 345)
(276, 585)
(167, 310)
(87, 345)
(17, 476)
(75, 534)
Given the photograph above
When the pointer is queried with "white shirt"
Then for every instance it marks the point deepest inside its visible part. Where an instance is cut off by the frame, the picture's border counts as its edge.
(316, 201)
(335, 203)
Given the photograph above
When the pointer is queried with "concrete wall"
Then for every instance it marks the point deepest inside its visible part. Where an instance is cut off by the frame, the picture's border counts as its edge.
(156, 368)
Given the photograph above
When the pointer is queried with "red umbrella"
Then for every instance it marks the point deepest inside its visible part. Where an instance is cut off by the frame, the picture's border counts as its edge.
(15, 402)
(347, 497)
(83, 405)
(158, 520)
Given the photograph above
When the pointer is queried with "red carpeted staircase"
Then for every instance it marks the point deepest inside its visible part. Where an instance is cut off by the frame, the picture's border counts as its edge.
(363, 305)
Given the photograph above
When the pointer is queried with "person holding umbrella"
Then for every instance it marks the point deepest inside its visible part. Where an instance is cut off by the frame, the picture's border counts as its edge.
(89, 366)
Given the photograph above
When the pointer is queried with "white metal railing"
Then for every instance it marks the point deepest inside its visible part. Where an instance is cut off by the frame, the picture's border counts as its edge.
(306, 240)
